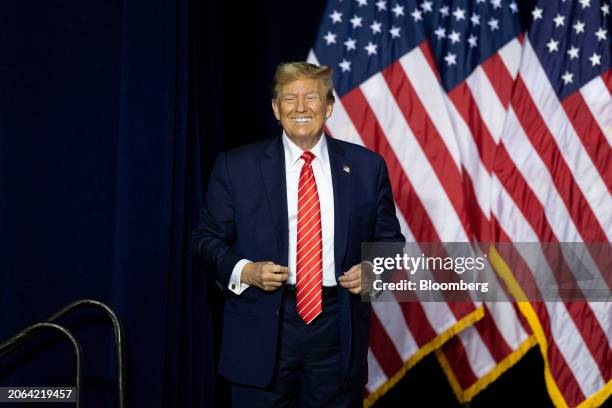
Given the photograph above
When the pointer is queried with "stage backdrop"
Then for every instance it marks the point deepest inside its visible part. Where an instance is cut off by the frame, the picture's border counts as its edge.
(101, 182)
(114, 113)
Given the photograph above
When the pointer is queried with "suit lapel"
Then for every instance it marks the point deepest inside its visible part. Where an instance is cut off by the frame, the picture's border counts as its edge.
(273, 173)
(341, 181)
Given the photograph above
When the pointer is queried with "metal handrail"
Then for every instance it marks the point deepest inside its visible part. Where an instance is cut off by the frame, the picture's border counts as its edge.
(26, 333)
(119, 336)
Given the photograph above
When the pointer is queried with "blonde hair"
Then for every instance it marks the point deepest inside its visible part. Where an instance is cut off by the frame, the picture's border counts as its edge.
(288, 72)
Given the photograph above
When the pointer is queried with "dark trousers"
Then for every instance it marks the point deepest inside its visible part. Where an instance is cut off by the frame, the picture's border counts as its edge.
(307, 372)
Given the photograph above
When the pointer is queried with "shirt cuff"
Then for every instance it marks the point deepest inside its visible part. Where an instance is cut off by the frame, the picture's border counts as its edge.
(234, 283)
(372, 293)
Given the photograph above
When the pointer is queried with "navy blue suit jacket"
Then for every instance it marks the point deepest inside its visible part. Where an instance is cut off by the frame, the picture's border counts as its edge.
(245, 216)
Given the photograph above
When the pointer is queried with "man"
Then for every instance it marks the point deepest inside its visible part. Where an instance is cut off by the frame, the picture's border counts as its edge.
(281, 228)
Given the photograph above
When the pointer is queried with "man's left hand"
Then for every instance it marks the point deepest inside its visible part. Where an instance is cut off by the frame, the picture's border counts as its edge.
(351, 279)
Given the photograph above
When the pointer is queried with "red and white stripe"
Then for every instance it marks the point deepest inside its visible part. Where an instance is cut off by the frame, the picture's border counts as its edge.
(462, 162)
(478, 107)
(393, 114)
(551, 184)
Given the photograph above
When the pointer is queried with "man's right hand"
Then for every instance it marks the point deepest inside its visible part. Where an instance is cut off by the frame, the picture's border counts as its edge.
(267, 275)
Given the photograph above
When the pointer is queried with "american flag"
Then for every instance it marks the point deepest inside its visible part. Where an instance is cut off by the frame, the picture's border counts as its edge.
(446, 92)
(552, 182)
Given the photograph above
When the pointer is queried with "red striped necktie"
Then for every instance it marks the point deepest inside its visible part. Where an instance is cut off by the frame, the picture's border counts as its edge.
(309, 260)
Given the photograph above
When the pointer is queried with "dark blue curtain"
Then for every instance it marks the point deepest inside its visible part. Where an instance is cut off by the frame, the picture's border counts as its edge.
(101, 183)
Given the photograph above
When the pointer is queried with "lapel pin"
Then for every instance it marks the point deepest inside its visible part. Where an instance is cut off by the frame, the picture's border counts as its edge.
(346, 169)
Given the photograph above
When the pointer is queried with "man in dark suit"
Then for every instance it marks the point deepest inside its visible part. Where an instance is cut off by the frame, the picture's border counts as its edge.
(281, 228)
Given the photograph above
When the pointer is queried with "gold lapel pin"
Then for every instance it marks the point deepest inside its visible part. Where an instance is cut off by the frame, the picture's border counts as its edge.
(346, 169)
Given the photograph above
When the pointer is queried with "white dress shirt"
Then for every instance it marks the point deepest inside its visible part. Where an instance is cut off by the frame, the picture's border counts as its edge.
(322, 174)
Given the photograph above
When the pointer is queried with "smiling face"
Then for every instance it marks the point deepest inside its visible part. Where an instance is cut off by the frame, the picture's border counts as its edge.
(301, 107)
